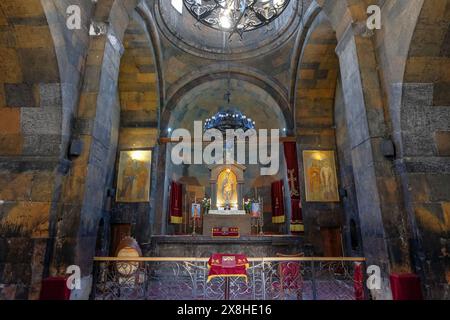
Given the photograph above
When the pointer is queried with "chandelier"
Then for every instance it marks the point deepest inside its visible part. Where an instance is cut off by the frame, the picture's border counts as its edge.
(236, 16)
(229, 119)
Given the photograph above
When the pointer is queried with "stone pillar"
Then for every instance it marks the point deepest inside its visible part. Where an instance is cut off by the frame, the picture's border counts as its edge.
(160, 189)
(84, 190)
(377, 193)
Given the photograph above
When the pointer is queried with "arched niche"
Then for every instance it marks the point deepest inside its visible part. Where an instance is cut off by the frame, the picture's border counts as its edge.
(217, 171)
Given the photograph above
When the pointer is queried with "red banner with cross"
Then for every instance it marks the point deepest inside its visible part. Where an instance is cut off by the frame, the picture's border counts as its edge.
(176, 203)
(290, 153)
(278, 215)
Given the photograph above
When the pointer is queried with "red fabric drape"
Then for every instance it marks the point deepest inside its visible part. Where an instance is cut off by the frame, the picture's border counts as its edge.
(358, 281)
(227, 265)
(176, 203)
(290, 153)
(277, 202)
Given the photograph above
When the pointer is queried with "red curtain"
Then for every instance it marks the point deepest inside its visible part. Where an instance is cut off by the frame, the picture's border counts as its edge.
(290, 153)
(277, 202)
(176, 203)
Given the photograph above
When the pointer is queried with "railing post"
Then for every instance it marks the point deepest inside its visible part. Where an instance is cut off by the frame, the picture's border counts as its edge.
(313, 275)
(147, 271)
(263, 268)
(94, 280)
(227, 288)
(253, 284)
(195, 286)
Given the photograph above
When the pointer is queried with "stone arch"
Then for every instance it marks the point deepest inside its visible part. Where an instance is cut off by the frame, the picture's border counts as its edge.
(238, 73)
(141, 95)
(425, 82)
(38, 80)
(139, 85)
(313, 98)
(420, 112)
(429, 51)
(208, 97)
(317, 75)
(249, 84)
(29, 78)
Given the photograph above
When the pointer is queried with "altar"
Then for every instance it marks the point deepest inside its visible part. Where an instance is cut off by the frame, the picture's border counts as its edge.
(227, 205)
(241, 221)
(227, 212)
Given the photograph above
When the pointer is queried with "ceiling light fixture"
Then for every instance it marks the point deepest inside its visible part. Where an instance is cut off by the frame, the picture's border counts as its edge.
(236, 16)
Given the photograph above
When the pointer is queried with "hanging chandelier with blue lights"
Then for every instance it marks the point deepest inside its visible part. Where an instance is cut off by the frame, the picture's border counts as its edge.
(236, 16)
(229, 120)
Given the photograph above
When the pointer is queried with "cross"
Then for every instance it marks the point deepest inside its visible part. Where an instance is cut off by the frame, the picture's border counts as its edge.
(292, 180)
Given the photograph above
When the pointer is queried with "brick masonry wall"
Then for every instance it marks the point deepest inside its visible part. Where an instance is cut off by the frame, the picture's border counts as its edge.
(41, 66)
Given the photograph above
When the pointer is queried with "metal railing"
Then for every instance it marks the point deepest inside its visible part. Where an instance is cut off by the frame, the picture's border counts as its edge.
(272, 278)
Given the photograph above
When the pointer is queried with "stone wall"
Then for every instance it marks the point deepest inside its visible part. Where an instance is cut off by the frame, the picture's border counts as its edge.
(139, 117)
(114, 91)
(314, 111)
(41, 66)
(413, 55)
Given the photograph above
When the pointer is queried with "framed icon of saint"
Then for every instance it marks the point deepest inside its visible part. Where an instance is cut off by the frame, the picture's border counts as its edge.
(133, 178)
(321, 182)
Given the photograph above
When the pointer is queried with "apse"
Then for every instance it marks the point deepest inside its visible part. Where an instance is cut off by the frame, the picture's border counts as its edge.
(210, 97)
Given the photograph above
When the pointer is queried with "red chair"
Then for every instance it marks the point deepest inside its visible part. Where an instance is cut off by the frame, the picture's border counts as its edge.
(406, 286)
(54, 288)
(291, 279)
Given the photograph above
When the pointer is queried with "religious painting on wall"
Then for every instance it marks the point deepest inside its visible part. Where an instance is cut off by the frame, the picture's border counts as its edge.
(320, 176)
(133, 179)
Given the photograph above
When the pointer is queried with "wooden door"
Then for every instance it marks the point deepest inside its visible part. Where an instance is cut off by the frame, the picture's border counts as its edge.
(332, 242)
(118, 232)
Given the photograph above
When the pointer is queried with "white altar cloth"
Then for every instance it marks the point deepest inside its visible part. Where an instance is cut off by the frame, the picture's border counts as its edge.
(228, 212)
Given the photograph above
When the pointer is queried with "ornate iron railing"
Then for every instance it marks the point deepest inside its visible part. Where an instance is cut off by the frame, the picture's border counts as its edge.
(268, 279)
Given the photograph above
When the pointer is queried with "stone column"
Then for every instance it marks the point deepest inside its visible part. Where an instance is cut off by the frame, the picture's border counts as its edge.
(379, 208)
(160, 190)
(84, 190)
